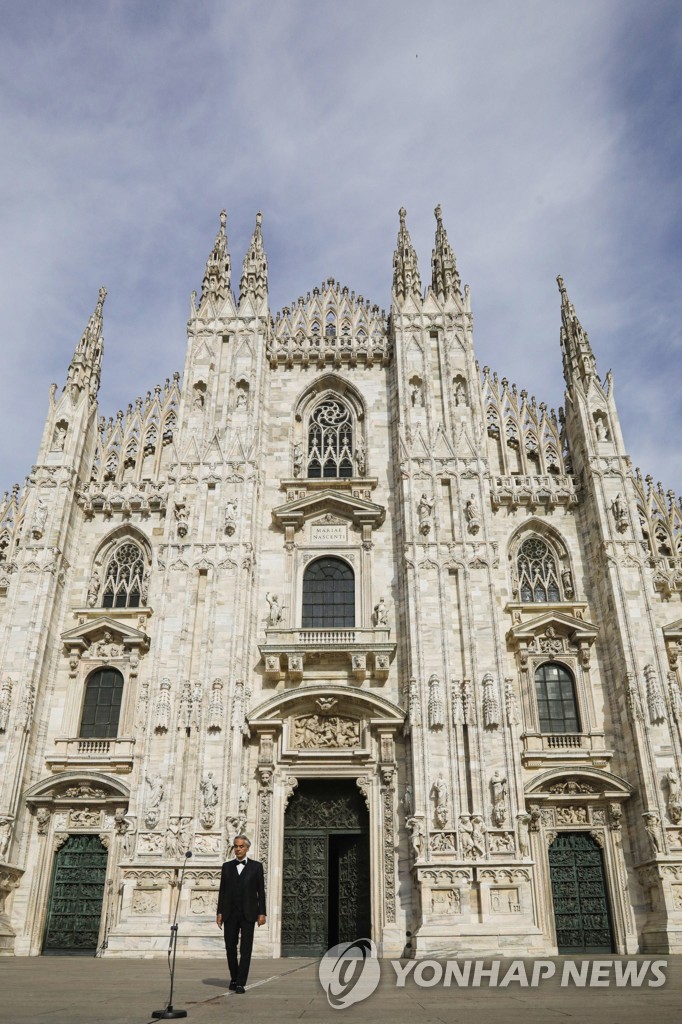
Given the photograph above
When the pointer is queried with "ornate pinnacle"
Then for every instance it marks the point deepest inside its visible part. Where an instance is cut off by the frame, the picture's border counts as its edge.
(444, 277)
(578, 357)
(254, 279)
(216, 281)
(406, 280)
(86, 365)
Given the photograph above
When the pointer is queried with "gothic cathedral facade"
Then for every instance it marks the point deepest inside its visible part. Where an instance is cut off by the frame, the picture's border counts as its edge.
(341, 590)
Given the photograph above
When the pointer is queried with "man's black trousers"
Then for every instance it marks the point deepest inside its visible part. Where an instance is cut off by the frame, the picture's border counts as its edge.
(234, 926)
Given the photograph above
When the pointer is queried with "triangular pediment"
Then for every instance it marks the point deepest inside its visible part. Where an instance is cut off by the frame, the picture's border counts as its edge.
(673, 631)
(563, 624)
(358, 511)
(102, 628)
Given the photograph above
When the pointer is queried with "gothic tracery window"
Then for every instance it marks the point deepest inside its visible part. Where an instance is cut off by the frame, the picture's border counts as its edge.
(330, 440)
(537, 572)
(124, 576)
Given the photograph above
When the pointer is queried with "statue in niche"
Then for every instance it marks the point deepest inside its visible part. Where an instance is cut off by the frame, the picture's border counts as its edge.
(417, 393)
(58, 438)
(498, 785)
(276, 609)
(460, 393)
(600, 429)
(381, 613)
(425, 512)
(198, 401)
(408, 802)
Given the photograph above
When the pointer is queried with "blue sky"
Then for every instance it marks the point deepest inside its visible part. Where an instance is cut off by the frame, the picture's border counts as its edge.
(550, 132)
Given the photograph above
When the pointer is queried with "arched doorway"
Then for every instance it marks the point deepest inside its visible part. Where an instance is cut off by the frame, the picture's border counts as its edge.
(75, 909)
(326, 881)
(581, 904)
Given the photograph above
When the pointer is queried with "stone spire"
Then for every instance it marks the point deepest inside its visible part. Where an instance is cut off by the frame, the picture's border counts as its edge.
(406, 280)
(254, 280)
(216, 281)
(444, 277)
(577, 352)
(86, 365)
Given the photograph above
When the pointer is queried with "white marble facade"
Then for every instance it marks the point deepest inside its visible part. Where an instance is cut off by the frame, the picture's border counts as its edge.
(486, 537)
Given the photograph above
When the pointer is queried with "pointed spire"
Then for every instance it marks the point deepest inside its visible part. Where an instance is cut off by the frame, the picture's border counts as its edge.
(86, 365)
(577, 352)
(406, 280)
(444, 277)
(255, 268)
(216, 281)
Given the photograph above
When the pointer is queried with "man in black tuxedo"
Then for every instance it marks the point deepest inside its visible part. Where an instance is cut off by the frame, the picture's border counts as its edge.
(241, 903)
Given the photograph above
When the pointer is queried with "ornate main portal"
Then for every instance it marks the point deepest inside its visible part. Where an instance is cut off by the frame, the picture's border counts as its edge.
(325, 878)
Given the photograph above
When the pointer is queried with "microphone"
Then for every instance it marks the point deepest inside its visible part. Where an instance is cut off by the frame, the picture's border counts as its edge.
(188, 854)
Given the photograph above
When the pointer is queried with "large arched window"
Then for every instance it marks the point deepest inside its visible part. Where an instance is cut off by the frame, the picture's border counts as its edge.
(537, 572)
(102, 705)
(328, 595)
(330, 440)
(555, 693)
(124, 576)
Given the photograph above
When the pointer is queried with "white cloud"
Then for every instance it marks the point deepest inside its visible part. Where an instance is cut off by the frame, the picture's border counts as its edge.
(126, 127)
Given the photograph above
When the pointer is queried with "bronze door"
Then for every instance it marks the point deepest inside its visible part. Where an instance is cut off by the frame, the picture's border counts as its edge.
(75, 909)
(325, 887)
(581, 906)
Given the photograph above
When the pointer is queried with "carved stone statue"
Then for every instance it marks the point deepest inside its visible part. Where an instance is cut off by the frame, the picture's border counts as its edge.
(298, 458)
(652, 824)
(209, 791)
(381, 613)
(275, 613)
(440, 792)
(472, 514)
(5, 836)
(674, 797)
(620, 515)
(498, 785)
(425, 512)
(156, 790)
(416, 837)
(230, 517)
(58, 438)
(243, 799)
(39, 519)
(466, 842)
(522, 827)
(478, 831)
(408, 801)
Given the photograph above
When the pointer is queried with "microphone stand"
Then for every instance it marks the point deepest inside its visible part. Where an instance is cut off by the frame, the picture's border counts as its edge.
(169, 1013)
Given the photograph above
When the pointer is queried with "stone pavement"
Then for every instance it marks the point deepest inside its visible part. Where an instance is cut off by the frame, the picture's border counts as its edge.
(83, 990)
